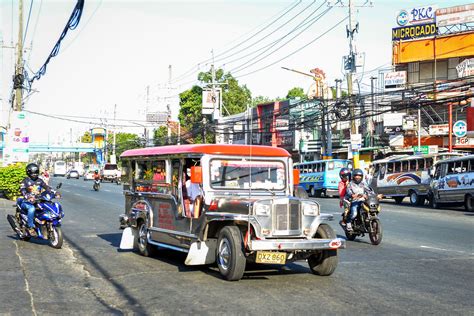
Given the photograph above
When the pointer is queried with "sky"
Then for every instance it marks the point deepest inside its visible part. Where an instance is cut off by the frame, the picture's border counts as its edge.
(122, 47)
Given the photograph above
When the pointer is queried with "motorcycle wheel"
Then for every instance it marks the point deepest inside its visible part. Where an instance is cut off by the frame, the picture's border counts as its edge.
(96, 187)
(324, 262)
(16, 229)
(376, 235)
(56, 237)
(350, 236)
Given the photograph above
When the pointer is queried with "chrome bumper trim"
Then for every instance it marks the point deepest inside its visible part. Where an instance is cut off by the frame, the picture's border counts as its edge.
(292, 244)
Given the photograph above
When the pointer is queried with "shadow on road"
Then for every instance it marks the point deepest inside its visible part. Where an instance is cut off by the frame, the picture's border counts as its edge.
(131, 302)
(113, 239)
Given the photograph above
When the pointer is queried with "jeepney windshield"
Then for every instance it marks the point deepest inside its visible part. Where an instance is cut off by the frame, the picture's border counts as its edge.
(244, 174)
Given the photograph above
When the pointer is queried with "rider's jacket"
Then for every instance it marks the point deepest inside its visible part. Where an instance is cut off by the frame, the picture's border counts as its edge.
(354, 188)
(30, 187)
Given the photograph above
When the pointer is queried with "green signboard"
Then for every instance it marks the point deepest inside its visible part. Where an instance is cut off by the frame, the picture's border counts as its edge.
(422, 149)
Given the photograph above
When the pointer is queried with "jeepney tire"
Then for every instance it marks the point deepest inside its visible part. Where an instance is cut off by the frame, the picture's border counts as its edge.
(230, 244)
(433, 203)
(324, 262)
(414, 198)
(422, 201)
(144, 248)
(469, 203)
(398, 199)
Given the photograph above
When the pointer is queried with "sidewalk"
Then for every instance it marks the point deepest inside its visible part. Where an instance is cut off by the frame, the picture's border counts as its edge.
(14, 296)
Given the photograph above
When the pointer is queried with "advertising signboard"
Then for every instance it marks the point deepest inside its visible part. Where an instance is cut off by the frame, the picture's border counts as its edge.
(455, 15)
(414, 31)
(356, 141)
(460, 128)
(17, 141)
(425, 150)
(418, 15)
(465, 68)
(439, 129)
(394, 79)
(210, 101)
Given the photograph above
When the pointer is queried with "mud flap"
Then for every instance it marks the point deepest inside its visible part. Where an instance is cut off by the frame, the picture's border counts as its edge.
(202, 252)
(128, 239)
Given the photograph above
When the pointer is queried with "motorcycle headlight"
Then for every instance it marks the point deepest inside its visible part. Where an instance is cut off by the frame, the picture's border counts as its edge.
(262, 210)
(310, 209)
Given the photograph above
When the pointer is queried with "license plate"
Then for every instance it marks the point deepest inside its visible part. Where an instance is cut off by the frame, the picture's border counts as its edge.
(271, 257)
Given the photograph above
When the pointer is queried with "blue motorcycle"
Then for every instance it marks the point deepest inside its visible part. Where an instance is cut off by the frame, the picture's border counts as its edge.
(47, 220)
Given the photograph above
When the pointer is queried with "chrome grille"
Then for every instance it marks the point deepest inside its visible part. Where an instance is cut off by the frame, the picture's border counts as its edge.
(287, 218)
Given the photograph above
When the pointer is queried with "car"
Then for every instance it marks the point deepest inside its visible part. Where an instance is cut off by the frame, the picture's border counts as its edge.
(110, 172)
(89, 175)
(72, 174)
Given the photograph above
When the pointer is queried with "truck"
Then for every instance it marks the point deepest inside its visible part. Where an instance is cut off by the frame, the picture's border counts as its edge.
(111, 173)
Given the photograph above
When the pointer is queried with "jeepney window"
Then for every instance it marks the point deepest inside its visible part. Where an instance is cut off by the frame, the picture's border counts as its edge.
(397, 166)
(376, 170)
(471, 165)
(413, 164)
(244, 174)
(125, 172)
(175, 178)
(315, 167)
(405, 166)
(437, 172)
(383, 168)
(421, 164)
(158, 168)
(428, 163)
(390, 167)
(451, 167)
(460, 167)
(323, 167)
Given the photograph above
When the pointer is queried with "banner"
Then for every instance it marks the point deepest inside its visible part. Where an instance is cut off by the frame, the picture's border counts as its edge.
(455, 15)
(17, 140)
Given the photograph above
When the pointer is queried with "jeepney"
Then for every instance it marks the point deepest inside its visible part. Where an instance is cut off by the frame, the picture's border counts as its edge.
(224, 204)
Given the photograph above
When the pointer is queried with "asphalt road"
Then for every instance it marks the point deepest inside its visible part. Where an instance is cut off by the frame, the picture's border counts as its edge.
(425, 265)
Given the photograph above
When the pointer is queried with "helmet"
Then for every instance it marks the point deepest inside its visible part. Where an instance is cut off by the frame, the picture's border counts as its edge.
(96, 172)
(32, 170)
(357, 172)
(345, 173)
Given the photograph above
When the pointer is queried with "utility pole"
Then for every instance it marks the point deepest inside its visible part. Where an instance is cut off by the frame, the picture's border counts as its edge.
(372, 103)
(113, 145)
(18, 79)
(168, 108)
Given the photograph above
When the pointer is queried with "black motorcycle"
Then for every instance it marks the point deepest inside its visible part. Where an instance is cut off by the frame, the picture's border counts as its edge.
(367, 221)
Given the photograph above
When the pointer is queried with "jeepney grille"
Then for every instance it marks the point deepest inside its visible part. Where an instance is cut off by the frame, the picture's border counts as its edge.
(287, 219)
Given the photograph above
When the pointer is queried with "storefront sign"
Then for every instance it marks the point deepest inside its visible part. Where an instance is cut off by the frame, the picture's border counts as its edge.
(410, 122)
(425, 150)
(460, 128)
(394, 79)
(417, 15)
(439, 129)
(465, 68)
(455, 15)
(414, 31)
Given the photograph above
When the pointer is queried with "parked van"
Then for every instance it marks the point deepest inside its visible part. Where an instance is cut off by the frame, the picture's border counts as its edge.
(453, 182)
(407, 175)
(228, 204)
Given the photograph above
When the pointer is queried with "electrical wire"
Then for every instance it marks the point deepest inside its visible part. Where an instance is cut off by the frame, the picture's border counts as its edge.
(34, 31)
(72, 24)
(28, 21)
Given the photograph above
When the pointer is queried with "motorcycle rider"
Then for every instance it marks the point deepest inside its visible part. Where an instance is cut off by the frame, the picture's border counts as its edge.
(345, 175)
(30, 186)
(356, 193)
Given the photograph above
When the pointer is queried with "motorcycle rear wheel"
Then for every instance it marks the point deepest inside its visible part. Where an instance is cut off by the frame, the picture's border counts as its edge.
(56, 237)
(376, 235)
(14, 224)
(350, 236)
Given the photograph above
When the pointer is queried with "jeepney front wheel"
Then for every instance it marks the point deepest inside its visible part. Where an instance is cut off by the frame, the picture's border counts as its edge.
(144, 248)
(230, 253)
(324, 262)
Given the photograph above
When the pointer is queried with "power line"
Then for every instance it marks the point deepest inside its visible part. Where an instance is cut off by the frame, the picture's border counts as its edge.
(34, 31)
(28, 21)
(294, 52)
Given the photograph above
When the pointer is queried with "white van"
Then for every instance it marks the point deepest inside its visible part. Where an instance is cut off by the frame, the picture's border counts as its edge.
(60, 168)
(453, 182)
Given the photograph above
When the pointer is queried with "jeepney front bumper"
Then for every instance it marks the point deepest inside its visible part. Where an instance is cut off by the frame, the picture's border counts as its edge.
(297, 244)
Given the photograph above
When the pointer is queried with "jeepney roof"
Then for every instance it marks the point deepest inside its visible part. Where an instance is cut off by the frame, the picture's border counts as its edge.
(410, 157)
(456, 158)
(216, 149)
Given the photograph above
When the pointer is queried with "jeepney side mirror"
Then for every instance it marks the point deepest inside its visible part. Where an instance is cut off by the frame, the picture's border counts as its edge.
(196, 174)
(296, 176)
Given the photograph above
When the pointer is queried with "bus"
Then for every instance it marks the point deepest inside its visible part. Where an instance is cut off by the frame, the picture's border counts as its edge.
(453, 182)
(59, 168)
(408, 175)
(321, 177)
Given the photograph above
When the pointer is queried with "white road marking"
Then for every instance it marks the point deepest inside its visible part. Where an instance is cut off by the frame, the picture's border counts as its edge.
(442, 249)
(107, 191)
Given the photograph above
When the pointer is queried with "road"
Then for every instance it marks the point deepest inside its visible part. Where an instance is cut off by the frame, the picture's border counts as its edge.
(425, 265)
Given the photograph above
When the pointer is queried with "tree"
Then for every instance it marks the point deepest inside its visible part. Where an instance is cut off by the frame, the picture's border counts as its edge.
(126, 141)
(296, 92)
(160, 136)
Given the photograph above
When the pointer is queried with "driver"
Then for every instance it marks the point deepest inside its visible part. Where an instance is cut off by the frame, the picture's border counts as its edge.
(96, 175)
(355, 193)
(31, 186)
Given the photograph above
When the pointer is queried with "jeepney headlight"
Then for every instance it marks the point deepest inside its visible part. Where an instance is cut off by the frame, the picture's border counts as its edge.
(310, 209)
(262, 209)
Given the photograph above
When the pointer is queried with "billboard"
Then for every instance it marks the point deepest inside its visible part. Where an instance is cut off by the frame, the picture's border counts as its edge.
(465, 68)
(414, 31)
(418, 15)
(395, 79)
(17, 140)
(210, 101)
(455, 15)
